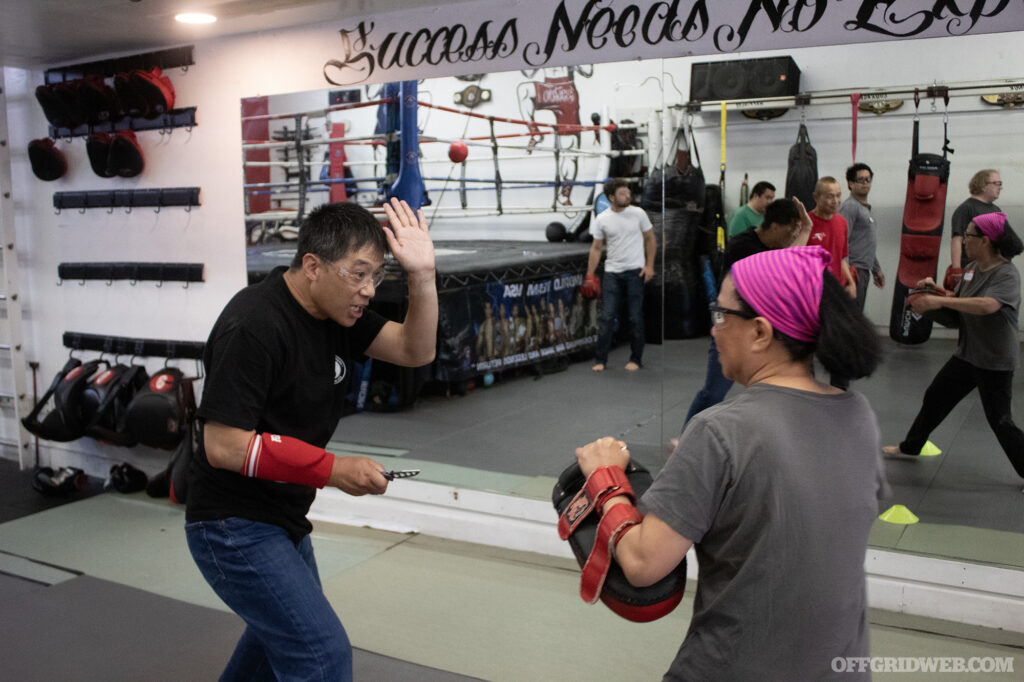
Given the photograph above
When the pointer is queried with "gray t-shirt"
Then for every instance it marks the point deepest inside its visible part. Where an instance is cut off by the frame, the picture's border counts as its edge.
(778, 490)
(861, 234)
(990, 341)
(964, 214)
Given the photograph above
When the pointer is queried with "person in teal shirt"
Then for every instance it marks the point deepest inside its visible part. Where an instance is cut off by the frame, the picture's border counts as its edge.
(752, 213)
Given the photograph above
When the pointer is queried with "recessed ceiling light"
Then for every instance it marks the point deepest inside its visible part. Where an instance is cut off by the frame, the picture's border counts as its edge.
(195, 18)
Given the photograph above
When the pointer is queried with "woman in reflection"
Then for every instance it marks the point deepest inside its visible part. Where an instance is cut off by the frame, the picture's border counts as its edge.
(984, 307)
(777, 489)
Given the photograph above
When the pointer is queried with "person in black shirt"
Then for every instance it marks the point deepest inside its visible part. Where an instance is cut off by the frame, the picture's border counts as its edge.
(279, 362)
(786, 223)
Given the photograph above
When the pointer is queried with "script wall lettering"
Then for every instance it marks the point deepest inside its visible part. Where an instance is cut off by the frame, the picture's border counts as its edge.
(578, 32)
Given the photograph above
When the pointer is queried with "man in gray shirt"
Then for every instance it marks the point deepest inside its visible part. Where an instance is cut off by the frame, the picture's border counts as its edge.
(861, 235)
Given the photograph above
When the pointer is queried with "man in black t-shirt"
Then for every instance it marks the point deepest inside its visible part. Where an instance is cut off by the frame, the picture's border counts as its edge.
(785, 224)
(279, 362)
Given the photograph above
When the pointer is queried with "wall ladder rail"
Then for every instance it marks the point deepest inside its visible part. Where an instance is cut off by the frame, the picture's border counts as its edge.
(14, 401)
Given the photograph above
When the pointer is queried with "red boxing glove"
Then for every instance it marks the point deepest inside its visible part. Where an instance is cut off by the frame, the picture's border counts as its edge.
(290, 460)
(591, 287)
(952, 278)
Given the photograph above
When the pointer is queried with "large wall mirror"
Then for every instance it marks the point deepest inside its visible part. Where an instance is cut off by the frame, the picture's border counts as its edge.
(512, 392)
(511, 427)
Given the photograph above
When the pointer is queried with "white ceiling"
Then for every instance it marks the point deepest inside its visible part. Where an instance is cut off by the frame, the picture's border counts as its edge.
(43, 33)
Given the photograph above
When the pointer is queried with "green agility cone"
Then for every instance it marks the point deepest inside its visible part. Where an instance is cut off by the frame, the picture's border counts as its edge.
(899, 514)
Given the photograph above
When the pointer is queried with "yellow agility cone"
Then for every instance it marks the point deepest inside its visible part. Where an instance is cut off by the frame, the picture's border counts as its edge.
(899, 514)
(930, 449)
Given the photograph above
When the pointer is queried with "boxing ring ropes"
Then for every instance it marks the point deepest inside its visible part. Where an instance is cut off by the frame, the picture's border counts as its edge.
(405, 178)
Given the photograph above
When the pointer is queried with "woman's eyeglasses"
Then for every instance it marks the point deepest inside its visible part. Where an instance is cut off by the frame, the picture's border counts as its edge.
(718, 313)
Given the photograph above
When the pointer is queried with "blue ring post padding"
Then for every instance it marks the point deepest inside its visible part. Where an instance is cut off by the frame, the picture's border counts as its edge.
(409, 184)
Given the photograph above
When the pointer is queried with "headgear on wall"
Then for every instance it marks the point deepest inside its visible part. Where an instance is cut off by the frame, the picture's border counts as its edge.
(48, 162)
(117, 154)
(145, 94)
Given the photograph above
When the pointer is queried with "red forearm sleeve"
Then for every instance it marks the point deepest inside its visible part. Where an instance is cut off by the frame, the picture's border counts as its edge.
(281, 458)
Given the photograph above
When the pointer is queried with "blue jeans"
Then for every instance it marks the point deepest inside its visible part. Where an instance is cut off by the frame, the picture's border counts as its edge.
(715, 385)
(292, 631)
(616, 286)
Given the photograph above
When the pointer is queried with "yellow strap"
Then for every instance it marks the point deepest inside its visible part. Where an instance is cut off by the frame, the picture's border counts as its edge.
(720, 236)
(723, 135)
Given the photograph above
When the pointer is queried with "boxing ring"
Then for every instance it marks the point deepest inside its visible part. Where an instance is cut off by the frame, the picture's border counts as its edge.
(505, 301)
(501, 304)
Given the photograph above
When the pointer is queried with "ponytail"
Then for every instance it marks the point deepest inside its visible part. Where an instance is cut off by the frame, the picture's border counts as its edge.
(847, 344)
(1009, 245)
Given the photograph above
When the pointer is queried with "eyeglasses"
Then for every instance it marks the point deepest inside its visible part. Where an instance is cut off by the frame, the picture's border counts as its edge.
(718, 314)
(861, 181)
(360, 279)
(968, 235)
(997, 183)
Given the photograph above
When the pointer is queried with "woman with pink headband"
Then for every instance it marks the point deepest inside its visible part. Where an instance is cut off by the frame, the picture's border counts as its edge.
(984, 306)
(776, 490)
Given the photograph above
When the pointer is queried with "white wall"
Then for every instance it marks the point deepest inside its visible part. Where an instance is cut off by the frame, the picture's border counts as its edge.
(287, 61)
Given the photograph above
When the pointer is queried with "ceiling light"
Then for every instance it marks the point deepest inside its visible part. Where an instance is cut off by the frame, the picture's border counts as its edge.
(195, 18)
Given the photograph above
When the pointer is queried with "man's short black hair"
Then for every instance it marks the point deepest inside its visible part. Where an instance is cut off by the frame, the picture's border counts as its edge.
(851, 172)
(760, 188)
(781, 212)
(614, 184)
(332, 231)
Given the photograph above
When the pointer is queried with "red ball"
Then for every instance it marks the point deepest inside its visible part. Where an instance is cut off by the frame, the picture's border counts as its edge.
(458, 151)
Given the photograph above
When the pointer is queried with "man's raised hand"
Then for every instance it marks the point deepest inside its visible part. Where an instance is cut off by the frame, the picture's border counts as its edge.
(408, 238)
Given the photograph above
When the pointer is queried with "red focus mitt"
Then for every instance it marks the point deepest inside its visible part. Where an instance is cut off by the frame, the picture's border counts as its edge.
(591, 287)
(952, 278)
(593, 535)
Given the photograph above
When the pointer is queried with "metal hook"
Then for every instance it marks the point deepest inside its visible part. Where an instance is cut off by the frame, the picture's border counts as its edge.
(82, 210)
(127, 210)
(184, 69)
(133, 282)
(82, 283)
(60, 282)
(110, 210)
(110, 282)
(186, 284)
(57, 212)
(159, 284)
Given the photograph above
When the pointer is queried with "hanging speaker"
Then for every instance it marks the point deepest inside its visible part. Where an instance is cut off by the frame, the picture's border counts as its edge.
(744, 79)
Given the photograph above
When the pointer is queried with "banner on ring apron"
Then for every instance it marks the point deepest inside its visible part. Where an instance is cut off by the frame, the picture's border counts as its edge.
(515, 321)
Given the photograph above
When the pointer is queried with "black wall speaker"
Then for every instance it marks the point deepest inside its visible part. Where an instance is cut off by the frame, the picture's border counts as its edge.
(744, 79)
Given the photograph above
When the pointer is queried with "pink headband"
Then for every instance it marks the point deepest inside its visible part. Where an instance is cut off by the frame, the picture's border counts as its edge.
(784, 286)
(991, 224)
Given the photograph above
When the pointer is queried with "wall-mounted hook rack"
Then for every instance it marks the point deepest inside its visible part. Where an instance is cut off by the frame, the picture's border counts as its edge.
(164, 59)
(122, 345)
(165, 123)
(133, 272)
(128, 198)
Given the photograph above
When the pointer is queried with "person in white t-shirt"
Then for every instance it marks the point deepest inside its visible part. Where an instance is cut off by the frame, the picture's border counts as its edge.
(626, 233)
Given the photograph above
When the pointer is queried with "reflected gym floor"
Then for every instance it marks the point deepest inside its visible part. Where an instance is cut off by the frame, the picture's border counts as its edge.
(102, 588)
(515, 437)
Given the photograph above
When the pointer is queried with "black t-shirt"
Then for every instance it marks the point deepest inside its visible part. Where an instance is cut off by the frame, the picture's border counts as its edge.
(744, 244)
(964, 214)
(272, 367)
